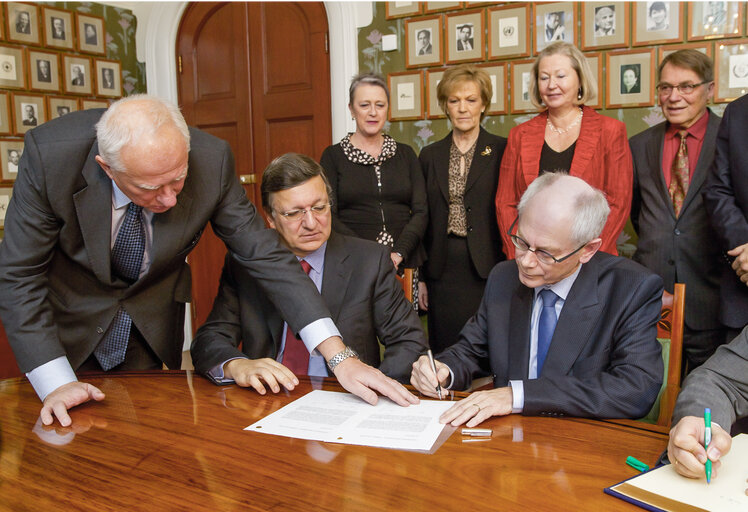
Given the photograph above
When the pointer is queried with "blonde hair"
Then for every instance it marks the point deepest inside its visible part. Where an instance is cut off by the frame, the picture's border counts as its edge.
(457, 75)
(587, 82)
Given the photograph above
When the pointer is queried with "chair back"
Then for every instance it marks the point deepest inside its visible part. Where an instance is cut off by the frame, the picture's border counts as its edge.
(406, 281)
(670, 327)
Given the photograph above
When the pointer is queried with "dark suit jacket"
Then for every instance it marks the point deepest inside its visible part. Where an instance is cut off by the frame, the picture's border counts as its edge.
(358, 286)
(601, 158)
(57, 292)
(683, 249)
(720, 384)
(726, 201)
(483, 237)
(604, 359)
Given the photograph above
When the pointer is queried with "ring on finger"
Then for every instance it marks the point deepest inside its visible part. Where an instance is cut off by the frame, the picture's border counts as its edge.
(478, 406)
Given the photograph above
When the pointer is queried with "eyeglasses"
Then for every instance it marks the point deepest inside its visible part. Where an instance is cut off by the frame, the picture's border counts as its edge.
(667, 89)
(543, 256)
(317, 210)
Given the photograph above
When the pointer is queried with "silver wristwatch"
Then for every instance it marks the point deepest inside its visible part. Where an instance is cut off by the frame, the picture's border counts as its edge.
(340, 357)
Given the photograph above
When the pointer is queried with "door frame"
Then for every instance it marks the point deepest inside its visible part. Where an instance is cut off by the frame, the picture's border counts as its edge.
(343, 18)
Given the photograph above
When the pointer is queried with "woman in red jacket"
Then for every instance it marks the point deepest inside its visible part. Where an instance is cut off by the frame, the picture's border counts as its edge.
(566, 137)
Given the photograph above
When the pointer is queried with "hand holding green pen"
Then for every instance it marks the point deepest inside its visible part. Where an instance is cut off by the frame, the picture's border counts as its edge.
(707, 440)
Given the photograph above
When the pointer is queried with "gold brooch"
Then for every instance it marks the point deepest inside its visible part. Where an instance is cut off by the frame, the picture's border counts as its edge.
(486, 151)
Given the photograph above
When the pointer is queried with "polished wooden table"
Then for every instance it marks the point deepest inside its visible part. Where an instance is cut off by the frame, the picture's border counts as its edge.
(164, 441)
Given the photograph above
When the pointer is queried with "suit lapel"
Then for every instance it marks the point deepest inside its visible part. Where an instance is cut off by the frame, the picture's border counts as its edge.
(441, 164)
(520, 314)
(169, 231)
(93, 206)
(653, 156)
(704, 163)
(587, 142)
(337, 275)
(578, 318)
(532, 146)
(482, 159)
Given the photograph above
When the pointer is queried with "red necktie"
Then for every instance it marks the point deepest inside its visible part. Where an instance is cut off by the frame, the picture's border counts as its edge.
(295, 354)
(679, 174)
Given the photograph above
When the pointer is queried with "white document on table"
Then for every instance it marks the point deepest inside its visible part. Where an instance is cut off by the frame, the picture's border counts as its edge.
(336, 417)
(725, 493)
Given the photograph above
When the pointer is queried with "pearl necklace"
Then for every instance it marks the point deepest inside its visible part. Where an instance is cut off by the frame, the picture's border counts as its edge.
(553, 127)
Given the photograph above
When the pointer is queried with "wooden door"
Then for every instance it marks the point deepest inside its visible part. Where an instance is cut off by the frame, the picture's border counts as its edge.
(258, 76)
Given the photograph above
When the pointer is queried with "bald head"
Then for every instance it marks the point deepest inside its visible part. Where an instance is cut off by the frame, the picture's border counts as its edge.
(576, 208)
(140, 123)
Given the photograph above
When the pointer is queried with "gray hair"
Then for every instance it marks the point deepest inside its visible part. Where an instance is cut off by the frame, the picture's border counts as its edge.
(132, 118)
(590, 207)
(367, 79)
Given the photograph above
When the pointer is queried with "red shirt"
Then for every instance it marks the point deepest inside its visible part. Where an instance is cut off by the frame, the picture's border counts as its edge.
(694, 141)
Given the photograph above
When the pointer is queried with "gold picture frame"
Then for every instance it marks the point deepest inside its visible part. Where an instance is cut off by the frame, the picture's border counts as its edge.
(605, 25)
(433, 77)
(6, 118)
(44, 71)
(418, 50)
(715, 20)
(400, 9)
(12, 67)
(730, 70)
(91, 34)
(76, 75)
(108, 78)
(622, 91)
(58, 106)
(555, 21)
(7, 147)
(657, 23)
(22, 23)
(521, 74)
(464, 36)
(594, 59)
(58, 28)
(497, 72)
(28, 112)
(406, 91)
(509, 31)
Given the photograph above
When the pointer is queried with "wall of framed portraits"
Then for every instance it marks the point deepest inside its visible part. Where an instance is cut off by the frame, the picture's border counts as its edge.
(623, 42)
(55, 58)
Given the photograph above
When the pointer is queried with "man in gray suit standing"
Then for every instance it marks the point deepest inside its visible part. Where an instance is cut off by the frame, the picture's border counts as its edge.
(671, 164)
(355, 277)
(105, 209)
(722, 385)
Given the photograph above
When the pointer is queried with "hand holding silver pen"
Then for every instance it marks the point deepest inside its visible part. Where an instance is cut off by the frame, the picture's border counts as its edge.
(433, 369)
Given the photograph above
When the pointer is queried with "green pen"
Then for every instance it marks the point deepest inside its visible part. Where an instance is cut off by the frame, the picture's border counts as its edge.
(707, 440)
(636, 464)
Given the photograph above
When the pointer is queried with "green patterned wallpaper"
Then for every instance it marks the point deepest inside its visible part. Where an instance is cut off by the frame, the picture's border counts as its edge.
(423, 132)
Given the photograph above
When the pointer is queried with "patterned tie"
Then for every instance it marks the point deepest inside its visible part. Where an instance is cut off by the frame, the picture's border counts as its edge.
(295, 354)
(679, 174)
(546, 326)
(127, 258)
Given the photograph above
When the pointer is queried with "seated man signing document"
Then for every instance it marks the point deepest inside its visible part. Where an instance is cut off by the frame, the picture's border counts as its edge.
(356, 279)
(565, 329)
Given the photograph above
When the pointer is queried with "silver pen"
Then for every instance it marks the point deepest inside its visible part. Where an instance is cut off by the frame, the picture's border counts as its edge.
(433, 369)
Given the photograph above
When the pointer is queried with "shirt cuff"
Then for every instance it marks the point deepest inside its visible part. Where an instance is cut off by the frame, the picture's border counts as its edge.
(50, 376)
(217, 375)
(518, 395)
(451, 378)
(317, 332)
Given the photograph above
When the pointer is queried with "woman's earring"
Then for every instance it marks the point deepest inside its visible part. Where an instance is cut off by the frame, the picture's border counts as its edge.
(579, 95)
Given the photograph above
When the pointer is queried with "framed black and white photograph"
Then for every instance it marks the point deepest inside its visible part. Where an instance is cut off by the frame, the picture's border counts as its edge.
(521, 74)
(22, 23)
(406, 93)
(6, 123)
(711, 20)
(58, 28)
(554, 22)
(28, 112)
(664, 51)
(10, 153)
(465, 37)
(508, 31)
(497, 73)
(89, 104)
(108, 78)
(595, 62)
(44, 71)
(401, 9)
(631, 75)
(430, 7)
(433, 110)
(12, 67)
(423, 42)
(5, 195)
(605, 25)
(91, 34)
(657, 23)
(76, 75)
(730, 70)
(58, 106)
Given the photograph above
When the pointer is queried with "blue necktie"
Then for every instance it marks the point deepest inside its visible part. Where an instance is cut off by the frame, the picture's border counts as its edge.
(127, 258)
(546, 326)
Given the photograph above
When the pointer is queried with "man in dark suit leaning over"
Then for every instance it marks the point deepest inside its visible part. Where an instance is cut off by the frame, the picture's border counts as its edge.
(355, 277)
(726, 200)
(565, 329)
(105, 209)
(671, 164)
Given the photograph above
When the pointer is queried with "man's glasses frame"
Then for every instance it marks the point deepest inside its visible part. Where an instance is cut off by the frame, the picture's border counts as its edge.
(318, 210)
(667, 89)
(543, 256)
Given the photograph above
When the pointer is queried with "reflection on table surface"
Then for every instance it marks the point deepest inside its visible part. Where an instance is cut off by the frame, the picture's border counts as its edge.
(174, 441)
